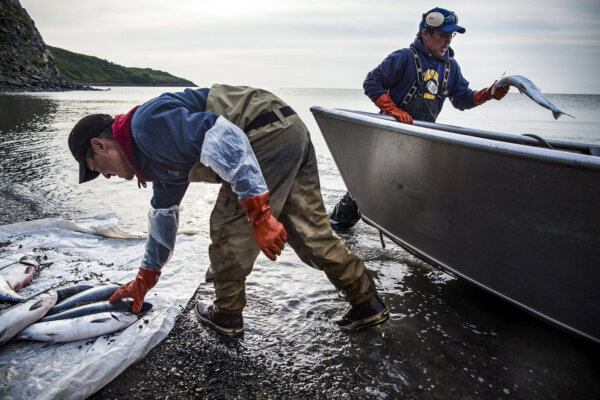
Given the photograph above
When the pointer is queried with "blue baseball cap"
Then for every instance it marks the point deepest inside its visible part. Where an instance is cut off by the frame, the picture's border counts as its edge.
(442, 20)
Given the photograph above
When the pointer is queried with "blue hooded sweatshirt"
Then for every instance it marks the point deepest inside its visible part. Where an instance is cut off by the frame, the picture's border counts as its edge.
(396, 74)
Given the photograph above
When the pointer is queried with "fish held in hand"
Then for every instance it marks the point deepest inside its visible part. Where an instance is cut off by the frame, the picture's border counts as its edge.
(533, 92)
(96, 308)
(97, 293)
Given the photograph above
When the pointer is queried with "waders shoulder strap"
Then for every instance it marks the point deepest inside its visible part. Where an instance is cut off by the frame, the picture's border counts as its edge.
(415, 86)
(444, 86)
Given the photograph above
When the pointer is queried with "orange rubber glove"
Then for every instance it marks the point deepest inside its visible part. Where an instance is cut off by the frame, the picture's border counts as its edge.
(267, 231)
(137, 288)
(387, 105)
(483, 95)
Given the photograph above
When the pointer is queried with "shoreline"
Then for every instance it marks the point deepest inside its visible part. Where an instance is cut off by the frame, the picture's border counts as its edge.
(34, 89)
(5, 89)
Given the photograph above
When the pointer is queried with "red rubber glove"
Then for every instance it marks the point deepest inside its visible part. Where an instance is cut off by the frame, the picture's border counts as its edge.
(387, 105)
(267, 231)
(137, 288)
(486, 94)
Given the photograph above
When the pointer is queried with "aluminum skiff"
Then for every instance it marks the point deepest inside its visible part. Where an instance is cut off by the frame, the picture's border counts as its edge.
(504, 212)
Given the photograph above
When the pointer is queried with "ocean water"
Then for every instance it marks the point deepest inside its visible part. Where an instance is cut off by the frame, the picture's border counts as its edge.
(445, 339)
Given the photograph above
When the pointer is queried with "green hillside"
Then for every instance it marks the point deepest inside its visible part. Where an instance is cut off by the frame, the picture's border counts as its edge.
(89, 70)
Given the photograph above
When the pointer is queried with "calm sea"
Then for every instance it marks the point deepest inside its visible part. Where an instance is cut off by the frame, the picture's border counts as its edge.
(446, 338)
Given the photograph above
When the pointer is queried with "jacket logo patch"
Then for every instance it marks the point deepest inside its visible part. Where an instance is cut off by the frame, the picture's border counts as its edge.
(432, 78)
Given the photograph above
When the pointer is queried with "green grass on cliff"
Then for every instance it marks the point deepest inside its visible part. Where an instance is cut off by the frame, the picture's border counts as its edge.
(89, 70)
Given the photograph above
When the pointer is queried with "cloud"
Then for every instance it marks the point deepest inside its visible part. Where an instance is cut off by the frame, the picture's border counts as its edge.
(324, 43)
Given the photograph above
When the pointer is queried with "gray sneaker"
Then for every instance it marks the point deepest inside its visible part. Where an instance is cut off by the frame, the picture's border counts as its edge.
(368, 313)
(227, 322)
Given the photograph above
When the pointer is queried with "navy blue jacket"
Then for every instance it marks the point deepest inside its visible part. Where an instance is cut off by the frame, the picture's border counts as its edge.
(170, 134)
(173, 131)
(396, 74)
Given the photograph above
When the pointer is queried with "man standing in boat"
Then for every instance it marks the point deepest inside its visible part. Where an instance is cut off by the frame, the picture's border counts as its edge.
(412, 83)
(260, 151)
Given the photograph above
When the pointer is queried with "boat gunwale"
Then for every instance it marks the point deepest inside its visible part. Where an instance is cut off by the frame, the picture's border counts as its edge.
(555, 156)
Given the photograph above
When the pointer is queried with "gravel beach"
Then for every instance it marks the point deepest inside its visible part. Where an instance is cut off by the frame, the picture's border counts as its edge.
(194, 362)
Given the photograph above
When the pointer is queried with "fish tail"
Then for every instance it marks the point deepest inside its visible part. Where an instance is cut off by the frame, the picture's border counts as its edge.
(557, 114)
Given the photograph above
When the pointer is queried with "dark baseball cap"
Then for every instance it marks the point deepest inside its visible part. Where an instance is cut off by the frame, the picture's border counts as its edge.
(86, 129)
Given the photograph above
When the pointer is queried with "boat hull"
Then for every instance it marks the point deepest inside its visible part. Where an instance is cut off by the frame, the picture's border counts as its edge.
(519, 221)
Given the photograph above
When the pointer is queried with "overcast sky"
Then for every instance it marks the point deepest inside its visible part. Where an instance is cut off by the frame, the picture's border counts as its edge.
(326, 43)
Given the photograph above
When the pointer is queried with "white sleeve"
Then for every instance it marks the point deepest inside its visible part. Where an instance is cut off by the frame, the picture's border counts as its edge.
(162, 232)
(226, 149)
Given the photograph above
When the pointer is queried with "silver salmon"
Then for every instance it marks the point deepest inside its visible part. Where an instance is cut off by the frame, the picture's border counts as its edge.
(7, 294)
(533, 92)
(67, 291)
(28, 259)
(97, 293)
(84, 327)
(96, 308)
(16, 318)
(18, 275)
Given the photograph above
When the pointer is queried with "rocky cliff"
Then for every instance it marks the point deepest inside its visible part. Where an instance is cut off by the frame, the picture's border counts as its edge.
(25, 61)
